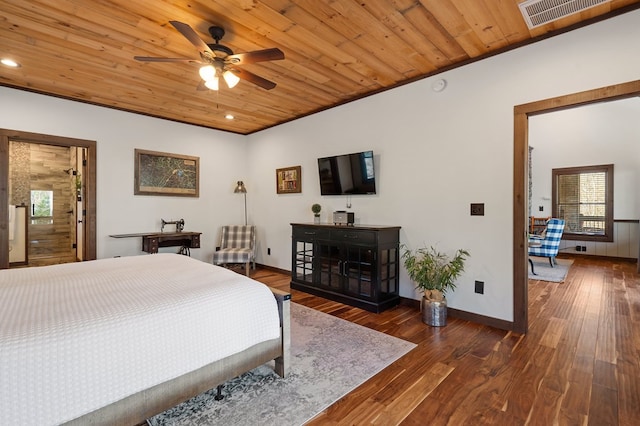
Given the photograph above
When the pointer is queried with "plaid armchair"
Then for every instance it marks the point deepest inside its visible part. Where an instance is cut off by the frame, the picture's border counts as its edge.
(237, 245)
(549, 245)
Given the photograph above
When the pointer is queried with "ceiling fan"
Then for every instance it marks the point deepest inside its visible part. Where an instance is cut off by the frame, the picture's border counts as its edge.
(218, 60)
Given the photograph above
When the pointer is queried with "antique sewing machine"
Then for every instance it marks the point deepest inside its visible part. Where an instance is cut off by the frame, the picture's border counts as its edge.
(151, 241)
(179, 224)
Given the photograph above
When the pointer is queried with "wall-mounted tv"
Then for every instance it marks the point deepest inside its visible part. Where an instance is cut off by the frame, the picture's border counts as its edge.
(347, 174)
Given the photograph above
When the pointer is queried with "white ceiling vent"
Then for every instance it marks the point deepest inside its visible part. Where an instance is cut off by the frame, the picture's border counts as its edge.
(540, 12)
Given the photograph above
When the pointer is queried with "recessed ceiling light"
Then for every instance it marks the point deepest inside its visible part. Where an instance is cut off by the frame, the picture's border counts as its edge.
(9, 62)
(229, 117)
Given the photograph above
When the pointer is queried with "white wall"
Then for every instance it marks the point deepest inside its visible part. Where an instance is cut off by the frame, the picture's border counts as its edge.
(435, 154)
(438, 152)
(222, 162)
(604, 133)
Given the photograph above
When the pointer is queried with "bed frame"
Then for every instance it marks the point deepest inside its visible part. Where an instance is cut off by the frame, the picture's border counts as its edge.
(138, 407)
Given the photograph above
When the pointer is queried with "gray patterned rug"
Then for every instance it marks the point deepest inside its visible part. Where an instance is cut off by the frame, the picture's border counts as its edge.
(544, 271)
(330, 358)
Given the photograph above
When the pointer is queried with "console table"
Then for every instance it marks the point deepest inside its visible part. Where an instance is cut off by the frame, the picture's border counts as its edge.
(357, 265)
(151, 241)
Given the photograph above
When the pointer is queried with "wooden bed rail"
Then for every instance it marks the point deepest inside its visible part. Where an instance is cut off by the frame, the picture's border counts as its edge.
(284, 308)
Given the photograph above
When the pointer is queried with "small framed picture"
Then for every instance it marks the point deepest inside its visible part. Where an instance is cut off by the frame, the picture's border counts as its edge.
(288, 180)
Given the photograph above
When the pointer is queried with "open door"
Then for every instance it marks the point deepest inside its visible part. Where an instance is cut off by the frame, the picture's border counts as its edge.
(87, 213)
(80, 187)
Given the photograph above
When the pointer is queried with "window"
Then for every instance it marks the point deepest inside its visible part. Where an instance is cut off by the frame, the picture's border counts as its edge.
(41, 207)
(583, 197)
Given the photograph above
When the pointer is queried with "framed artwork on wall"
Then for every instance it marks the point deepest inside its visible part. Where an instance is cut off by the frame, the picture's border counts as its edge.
(161, 173)
(288, 180)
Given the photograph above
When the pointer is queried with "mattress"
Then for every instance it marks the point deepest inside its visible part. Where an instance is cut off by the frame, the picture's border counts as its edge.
(77, 337)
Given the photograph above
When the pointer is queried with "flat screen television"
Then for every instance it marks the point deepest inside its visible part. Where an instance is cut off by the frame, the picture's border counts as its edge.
(347, 174)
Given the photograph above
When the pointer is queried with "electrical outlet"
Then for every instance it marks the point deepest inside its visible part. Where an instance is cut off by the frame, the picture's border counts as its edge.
(578, 248)
(584, 248)
(540, 208)
(479, 287)
(268, 252)
(477, 209)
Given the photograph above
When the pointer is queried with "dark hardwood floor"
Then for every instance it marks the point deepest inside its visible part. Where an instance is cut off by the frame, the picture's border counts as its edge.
(579, 364)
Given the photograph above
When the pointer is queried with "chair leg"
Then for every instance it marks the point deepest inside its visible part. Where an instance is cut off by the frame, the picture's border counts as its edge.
(532, 270)
(551, 261)
(247, 267)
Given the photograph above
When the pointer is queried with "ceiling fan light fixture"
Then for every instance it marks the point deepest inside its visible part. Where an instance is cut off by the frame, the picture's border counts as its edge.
(215, 58)
(231, 79)
(207, 72)
(213, 83)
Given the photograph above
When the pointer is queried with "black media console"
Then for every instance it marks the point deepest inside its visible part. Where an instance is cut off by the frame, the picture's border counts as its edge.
(357, 265)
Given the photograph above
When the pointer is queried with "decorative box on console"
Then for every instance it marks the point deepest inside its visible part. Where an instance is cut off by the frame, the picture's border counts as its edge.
(343, 218)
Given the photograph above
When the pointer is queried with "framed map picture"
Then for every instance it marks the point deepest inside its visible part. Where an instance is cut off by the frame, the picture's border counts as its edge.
(288, 180)
(161, 173)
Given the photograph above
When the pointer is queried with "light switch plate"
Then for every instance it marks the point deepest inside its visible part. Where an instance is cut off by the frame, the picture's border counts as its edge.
(477, 209)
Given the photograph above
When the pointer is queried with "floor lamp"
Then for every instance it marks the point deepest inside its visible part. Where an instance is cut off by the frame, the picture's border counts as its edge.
(241, 189)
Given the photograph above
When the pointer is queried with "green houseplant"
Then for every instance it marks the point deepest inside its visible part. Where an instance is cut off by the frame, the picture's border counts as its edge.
(315, 208)
(434, 273)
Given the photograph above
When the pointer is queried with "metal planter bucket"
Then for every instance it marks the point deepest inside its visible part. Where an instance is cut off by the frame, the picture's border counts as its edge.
(434, 313)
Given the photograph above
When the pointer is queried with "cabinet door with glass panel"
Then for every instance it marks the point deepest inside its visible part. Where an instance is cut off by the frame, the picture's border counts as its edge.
(330, 265)
(359, 271)
(305, 261)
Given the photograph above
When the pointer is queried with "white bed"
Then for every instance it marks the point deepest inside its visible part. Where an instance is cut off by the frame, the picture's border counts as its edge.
(99, 339)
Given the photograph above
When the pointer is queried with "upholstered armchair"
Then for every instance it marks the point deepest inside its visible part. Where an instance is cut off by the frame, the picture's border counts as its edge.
(237, 245)
(548, 243)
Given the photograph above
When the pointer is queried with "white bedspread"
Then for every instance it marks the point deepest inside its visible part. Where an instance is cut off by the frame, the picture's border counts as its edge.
(76, 337)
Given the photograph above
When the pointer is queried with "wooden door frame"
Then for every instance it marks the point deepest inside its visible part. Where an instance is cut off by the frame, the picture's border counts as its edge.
(521, 180)
(89, 220)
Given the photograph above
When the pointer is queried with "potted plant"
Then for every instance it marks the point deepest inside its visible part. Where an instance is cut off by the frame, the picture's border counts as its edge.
(434, 273)
(316, 212)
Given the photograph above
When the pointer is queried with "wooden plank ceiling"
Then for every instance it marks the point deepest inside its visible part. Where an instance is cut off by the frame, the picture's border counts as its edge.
(335, 51)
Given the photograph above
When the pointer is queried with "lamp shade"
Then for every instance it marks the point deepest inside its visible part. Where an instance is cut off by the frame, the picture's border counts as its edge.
(213, 84)
(231, 79)
(240, 188)
(207, 72)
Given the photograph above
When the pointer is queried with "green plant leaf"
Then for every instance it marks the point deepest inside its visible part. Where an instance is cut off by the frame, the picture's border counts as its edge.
(430, 269)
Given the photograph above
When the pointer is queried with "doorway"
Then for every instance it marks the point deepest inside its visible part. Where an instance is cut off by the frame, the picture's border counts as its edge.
(520, 179)
(51, 181)
(45, 186)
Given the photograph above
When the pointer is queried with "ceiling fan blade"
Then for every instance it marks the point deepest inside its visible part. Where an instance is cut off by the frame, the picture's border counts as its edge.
(152, 59)
(274, 54)
(201, 87)
(255, 79)
(191, 35)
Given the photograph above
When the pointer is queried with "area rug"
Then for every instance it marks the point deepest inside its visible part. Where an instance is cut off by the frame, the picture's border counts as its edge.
(544, 271)
(330, 358)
